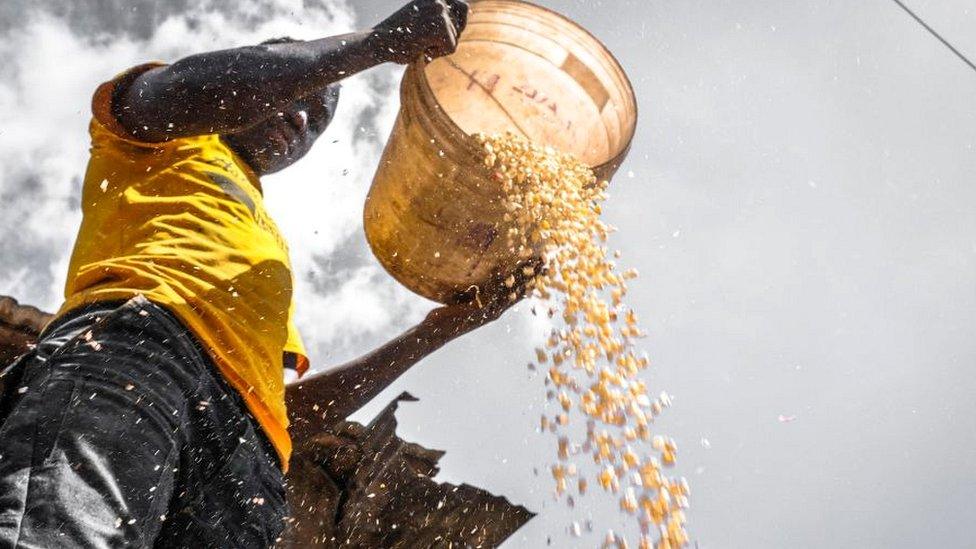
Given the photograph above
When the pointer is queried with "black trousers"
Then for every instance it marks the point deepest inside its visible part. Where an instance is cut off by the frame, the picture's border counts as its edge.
(120, 432)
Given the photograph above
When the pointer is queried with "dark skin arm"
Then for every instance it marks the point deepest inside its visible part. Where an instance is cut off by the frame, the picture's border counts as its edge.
(227, 91)
(324, 399)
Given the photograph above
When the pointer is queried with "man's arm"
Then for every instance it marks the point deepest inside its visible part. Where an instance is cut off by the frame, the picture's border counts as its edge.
(329, 397)
(229, 90)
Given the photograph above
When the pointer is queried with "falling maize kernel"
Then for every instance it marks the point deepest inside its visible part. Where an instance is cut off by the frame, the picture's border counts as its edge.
(563, 448)
(540, 356)
(553, 206)
(628, 502)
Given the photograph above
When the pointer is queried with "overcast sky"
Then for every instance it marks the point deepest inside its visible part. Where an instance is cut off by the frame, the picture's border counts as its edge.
(799, 200)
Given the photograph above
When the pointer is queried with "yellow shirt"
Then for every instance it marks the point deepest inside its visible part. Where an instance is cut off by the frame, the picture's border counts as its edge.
(183, 223)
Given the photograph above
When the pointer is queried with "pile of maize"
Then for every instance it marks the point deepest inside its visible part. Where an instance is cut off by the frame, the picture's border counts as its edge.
(553, 210)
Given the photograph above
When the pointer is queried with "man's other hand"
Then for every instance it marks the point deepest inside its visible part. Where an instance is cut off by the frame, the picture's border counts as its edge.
(422, 27)
(482, 305)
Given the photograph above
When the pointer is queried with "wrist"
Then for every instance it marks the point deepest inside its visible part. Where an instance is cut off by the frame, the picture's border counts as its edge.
(437, 331)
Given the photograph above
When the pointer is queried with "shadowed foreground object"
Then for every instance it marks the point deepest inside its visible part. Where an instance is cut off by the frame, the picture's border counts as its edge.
(19, 327)
(361, 486)
(352, 485)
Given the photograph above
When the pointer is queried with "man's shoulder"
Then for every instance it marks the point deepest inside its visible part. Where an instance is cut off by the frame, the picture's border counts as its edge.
(105, 102)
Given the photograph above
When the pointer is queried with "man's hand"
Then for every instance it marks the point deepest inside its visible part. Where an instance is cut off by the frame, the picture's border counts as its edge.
(422, 27)
(482, 305)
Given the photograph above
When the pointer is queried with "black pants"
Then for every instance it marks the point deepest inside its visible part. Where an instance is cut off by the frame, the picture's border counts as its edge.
(120, 433)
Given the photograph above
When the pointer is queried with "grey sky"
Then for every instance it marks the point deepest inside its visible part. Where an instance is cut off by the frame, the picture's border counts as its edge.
(801, 211)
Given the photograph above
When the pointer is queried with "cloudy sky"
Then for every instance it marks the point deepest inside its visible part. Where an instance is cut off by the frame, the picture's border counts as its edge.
(799, 200)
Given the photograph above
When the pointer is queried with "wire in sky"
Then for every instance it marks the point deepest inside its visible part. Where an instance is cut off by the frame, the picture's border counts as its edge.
(935, 34)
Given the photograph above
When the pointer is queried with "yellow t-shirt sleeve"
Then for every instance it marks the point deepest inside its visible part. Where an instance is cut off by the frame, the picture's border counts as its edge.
(102, 100)
(294, 345)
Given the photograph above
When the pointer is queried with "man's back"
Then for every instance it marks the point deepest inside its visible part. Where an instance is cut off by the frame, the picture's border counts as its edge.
(183, 223)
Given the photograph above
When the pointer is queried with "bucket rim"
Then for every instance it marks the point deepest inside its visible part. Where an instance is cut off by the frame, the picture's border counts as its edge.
(418, 67)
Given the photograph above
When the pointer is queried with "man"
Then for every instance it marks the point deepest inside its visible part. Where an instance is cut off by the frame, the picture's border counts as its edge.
(153, 410)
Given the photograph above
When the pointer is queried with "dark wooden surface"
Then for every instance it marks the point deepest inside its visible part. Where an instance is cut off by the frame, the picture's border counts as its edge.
(19, 327)
(382, 493)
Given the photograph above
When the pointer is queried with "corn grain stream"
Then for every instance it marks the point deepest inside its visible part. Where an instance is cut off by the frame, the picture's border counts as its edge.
(604, 413)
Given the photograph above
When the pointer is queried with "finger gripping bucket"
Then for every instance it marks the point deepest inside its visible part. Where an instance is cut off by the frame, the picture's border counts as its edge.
(434, 216)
